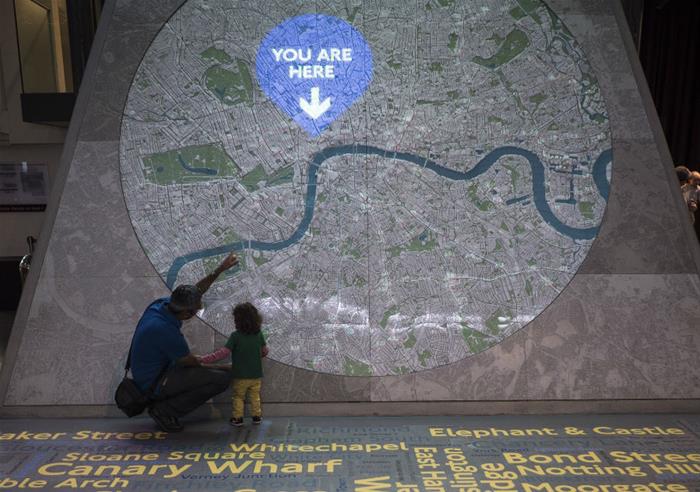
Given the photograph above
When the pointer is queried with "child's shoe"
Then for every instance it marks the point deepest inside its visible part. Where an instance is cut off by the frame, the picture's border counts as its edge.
(236, 422)
(257, 420)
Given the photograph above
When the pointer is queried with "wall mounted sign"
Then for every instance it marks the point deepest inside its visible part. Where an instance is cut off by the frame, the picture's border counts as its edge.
(23, 187)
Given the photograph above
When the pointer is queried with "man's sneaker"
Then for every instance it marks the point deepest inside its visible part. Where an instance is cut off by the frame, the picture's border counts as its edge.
(165, 422)
(236, 422)
(257, 420)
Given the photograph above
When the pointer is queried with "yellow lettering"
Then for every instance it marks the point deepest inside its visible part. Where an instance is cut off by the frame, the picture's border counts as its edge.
(48, 469)
(528, 487)
(134, 470)
(229, 466)
(373, 483)
(292, 468)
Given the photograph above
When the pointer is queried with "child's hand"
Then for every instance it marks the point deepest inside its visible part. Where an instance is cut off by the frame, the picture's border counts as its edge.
(264, 351)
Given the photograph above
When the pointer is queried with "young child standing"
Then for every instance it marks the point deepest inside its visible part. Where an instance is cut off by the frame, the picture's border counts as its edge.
(247, 347)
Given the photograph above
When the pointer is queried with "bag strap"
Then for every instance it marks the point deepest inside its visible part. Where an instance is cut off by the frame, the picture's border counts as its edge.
(127, 366)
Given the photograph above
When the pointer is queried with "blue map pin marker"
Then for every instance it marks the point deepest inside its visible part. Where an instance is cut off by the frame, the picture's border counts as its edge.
(314, 67)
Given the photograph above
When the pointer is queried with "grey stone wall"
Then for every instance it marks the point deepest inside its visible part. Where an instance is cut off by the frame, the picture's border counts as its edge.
(626, 327)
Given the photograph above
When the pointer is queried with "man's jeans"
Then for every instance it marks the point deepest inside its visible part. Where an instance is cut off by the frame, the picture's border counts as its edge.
(183, 389)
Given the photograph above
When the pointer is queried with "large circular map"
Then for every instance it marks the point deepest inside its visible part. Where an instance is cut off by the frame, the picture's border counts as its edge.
(442, 210)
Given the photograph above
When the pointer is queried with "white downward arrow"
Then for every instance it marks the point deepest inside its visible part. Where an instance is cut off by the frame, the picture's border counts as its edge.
(315, 108)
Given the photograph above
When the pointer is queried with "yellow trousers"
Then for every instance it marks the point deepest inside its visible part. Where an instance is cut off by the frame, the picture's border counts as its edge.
(251, 387)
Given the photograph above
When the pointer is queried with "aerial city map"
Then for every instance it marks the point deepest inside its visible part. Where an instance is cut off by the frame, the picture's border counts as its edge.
(406, 183)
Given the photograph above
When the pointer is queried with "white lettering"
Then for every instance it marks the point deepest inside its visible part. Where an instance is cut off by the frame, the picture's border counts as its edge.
(291, 55)
(311, 71)
(304, 55)
(277, 53)
(335, 55)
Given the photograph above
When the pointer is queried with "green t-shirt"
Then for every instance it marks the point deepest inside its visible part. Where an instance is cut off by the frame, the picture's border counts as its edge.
(246, 356)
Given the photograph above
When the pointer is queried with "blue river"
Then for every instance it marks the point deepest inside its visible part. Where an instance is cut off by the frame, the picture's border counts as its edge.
(538, 191)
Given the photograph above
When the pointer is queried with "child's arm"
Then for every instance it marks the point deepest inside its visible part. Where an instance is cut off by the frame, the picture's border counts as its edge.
(214, 356)
(264, 351)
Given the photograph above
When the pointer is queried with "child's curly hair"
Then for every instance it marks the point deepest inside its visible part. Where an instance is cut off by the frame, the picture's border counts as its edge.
(247, 318)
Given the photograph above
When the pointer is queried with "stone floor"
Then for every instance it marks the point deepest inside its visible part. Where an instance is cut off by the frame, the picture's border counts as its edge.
(561, 453)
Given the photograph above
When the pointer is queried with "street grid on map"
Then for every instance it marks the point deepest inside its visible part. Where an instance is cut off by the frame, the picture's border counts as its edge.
(400, 269)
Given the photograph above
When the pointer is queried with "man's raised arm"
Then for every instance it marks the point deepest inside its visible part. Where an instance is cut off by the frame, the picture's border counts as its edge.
(204, 284)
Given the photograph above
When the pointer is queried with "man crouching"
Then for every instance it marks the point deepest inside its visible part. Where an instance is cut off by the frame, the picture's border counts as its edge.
(161, 361)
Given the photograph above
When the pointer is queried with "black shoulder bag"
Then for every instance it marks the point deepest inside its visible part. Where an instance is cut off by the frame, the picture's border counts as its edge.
(128, 396)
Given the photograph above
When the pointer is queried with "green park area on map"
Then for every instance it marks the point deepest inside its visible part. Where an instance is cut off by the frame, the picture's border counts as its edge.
(231, 86)
(189, 164)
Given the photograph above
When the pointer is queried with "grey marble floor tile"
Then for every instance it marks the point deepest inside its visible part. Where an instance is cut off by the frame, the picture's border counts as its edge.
(642, 344)
(132, 28)
(283, 383)
(137, 12)
(588, 7)
(76, 339)
(626, 110)
(642, 229)
(601, 40)
(92, 234)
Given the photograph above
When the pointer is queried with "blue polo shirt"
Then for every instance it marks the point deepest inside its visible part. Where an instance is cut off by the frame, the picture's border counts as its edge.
(158, 343)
